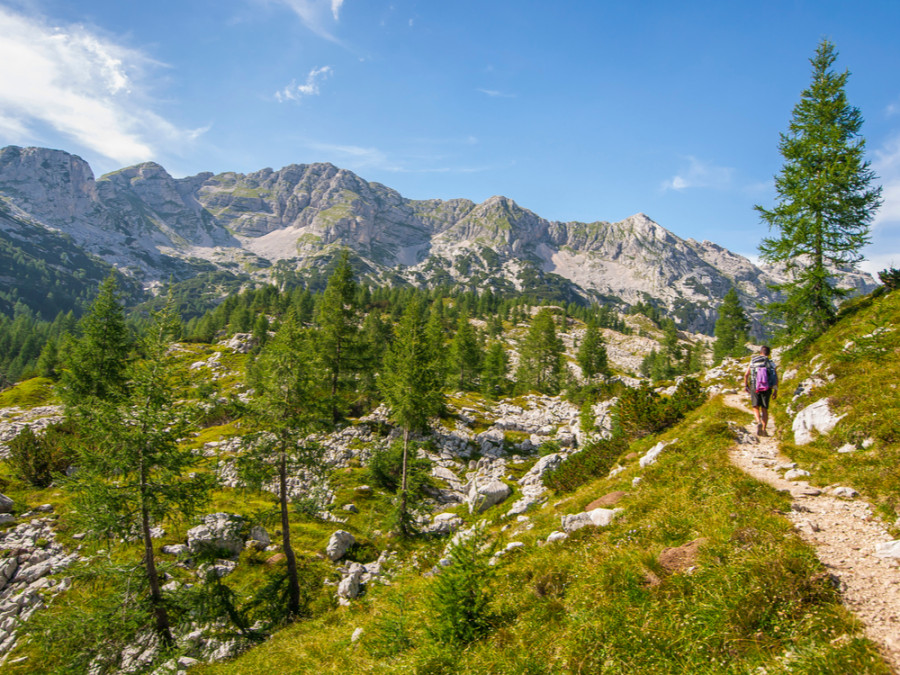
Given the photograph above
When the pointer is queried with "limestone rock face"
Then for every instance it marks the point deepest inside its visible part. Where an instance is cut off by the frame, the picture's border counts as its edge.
(142, 219)
(816, 417)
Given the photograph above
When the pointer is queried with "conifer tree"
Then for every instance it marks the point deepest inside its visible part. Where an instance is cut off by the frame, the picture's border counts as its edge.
(541, 365)
(336, 337)
(95, 365)
(411, 387)
(132, 470)
(465, 355)
(494, 369)
(288, 406)
(731, 328)
(592, 355)
(826, 201)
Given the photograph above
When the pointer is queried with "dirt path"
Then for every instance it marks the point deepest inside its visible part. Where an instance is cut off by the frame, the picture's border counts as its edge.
(844, 533)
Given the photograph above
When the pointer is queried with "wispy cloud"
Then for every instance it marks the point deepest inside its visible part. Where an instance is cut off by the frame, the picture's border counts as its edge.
(297, 92)
(319, 16)
(700, 174)
(887, 166)
(81, 85)
(360, 158)
(493, 93)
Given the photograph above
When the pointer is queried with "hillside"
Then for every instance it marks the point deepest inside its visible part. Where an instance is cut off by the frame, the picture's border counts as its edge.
(659, 555)
(279, 225)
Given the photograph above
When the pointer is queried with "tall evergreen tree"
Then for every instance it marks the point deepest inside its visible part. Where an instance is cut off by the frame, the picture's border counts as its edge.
(96, 364)
(411, 387)
(287, 404)
(541, 364)
(493, 370)
(592, 355)
(132, 469)
(732, 328)
(336, 337)
(826, 201)
(465, 355)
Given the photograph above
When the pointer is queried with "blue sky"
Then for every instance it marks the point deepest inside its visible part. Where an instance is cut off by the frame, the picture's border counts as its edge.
(589, 110)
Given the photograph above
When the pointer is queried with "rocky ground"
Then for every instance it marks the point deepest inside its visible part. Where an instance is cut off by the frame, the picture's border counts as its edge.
(849, 539)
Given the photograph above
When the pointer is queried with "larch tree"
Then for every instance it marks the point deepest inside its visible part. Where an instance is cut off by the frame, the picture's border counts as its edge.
(133, 473)
(826, 199)
(288, 406)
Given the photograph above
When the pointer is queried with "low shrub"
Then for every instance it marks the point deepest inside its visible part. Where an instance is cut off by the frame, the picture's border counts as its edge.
(39, 458)
(593, 462)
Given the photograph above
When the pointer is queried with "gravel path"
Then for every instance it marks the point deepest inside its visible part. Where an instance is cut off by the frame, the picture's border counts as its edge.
(844, 532)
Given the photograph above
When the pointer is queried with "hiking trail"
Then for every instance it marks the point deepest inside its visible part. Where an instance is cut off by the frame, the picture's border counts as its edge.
(843, 531)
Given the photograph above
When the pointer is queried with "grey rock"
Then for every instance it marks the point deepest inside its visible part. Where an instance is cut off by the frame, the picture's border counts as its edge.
(597, 518)
(219, 532)
(6, 504)
(485, 495)
(338, 544)
(349, 586)
(556, 536)
(653, 453)
(889, 549)
(844, 492)
(259, 533)
(795, 474)
(816, 417)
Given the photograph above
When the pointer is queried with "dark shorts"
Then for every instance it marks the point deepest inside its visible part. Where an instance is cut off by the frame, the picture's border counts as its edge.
(760, 399)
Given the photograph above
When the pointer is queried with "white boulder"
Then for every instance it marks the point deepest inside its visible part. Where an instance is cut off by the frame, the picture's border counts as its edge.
(483, 496)
(338, 544)
(597, 518)
(816, 417)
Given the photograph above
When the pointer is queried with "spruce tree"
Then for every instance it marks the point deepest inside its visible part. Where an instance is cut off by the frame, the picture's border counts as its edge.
(411, 387)
(465, 355)
(337, 335)
(493, 370)
(95, 365)
(731, 328)
(826, 201)
(592, 355)
(541, 365)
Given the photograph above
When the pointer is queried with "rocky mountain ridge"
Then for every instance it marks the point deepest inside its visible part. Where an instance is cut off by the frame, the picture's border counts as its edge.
(153, 226)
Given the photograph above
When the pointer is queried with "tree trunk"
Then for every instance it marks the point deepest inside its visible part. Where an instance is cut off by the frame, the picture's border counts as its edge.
(403, 528)
(293, 583)
(159, 609)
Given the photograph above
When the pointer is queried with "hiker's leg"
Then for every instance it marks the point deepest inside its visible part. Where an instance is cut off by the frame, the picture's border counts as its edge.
(764, 413)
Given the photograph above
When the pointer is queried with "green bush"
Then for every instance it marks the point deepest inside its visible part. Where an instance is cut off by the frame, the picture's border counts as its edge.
(461, 595)
(594, 461)
(641, 411)
(38, 459)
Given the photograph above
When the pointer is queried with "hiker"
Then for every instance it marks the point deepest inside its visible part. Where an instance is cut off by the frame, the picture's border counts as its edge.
(761, 381)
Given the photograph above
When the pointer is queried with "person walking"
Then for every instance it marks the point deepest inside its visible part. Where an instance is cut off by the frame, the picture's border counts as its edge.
(761, 381)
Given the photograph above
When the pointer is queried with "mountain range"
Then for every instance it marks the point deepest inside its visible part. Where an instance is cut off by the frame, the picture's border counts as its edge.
(57, 222)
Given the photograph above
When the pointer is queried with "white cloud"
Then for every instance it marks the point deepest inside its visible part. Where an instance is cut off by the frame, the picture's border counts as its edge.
(493, 93)
(296, 92)
(887, 166)
(80, 85)
(319, 16)
(699, 174)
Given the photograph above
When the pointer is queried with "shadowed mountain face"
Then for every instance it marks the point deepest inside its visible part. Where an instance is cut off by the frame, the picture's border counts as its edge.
(153, 226)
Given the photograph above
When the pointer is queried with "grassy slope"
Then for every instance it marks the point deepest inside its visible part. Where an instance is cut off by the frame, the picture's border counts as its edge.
(862, 352)
(757, 596)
